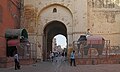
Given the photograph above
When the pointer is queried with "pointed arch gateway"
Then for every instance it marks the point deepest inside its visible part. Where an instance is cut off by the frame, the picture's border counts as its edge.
(52, 29)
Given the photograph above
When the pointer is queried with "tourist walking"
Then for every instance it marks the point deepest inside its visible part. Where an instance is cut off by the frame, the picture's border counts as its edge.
(72, 58)
(51, 56)
(16, 60)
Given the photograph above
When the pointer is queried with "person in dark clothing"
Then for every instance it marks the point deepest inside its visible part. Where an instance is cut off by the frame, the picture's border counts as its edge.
(16, 60)
(63, 54)
(72, 58)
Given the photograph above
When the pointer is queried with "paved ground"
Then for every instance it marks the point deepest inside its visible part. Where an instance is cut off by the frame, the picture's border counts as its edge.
(62, 66)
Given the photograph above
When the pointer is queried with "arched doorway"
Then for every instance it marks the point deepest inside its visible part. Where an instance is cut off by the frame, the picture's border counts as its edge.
(52, 29)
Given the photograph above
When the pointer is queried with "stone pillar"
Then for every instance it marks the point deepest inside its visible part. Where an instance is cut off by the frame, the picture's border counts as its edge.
(39, 47)
(44, 47)
(70, 40)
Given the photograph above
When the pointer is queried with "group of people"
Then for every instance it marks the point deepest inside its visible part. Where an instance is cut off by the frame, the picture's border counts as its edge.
(64, 55)
(52, 55)
(55, 55)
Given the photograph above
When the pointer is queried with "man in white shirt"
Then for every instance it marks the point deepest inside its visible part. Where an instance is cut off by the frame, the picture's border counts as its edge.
(16, 60)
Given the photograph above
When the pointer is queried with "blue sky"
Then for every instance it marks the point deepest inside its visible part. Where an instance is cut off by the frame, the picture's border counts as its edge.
(61, 40)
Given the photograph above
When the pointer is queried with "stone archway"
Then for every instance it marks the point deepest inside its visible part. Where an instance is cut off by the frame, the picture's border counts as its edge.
(52, 29)
(49, 16)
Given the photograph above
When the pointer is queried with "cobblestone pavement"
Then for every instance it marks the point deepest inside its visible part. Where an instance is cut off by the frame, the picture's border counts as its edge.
(62, 66)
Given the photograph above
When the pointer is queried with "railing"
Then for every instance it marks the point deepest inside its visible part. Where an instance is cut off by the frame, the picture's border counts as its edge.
(92, 48)
(27, 51)
(110, 54)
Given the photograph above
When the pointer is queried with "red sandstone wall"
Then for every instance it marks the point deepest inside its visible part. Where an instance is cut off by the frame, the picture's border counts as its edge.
(10, 13)
(10, 19)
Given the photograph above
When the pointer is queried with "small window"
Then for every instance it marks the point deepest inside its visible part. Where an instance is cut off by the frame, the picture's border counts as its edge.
(54, 10)
(1, 14)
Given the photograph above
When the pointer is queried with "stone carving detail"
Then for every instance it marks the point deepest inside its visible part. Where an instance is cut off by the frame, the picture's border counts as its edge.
(105, 3)
(98, 3)
(110, 16)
